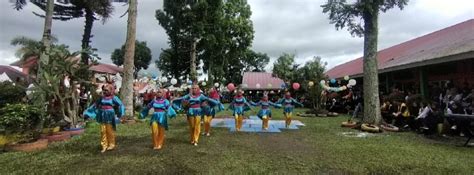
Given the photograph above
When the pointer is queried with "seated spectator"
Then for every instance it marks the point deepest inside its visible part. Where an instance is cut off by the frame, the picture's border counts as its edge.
(402, 116)
(387, 110)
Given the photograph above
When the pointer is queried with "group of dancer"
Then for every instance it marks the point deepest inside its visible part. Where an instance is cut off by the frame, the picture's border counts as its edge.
(197, 106)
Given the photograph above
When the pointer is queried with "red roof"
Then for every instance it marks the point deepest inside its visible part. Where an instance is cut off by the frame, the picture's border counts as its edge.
(449, 41)
(100, 67)
(106, 68)
(12, 73)
(262, 78)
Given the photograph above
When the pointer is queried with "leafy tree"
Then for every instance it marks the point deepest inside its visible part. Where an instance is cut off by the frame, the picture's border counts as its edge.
(142, 56)
(61, 100)
(170, 64)
(284, 67)
(255, 62)
(127, 81)
(352, 15)
(217, 32)
(313, 70)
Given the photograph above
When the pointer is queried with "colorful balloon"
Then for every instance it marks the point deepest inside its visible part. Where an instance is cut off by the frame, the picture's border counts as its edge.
(296, 86)
(333, 81)
(231, 87)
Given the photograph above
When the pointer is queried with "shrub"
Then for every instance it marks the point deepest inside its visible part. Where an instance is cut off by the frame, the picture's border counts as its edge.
(20, 118)
(10, 93)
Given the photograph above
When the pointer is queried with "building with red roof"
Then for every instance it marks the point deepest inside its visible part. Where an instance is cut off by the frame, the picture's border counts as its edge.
(261, 81)
(435, 58)
(101, 68)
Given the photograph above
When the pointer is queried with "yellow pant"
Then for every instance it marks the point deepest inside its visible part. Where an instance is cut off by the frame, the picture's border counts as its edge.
(157, 135)
(239, 119)
(288, 119)
(265, 120)
(194, 128)
(207, 124)
(107, 137)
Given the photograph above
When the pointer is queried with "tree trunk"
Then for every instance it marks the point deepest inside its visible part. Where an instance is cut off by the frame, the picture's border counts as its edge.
(128, 65)
(372, 113)
(46, 40)
(87, 34)
(193, 75)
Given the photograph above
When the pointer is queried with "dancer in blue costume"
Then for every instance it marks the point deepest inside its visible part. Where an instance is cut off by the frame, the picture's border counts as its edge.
(288, 105)
(195, 100)
(265, 113)
(209, 111)
(239, 105)
(158, 121)
(103, 111)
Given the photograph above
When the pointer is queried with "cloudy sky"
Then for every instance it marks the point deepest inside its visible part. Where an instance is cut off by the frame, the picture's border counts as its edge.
(292, 26)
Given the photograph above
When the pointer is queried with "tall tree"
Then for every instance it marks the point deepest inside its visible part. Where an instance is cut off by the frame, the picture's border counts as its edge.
(221, 30)
(284, 67)
(127, 82)
(142, 56)
(171, 64)
(90, 9)
(351, 15)
(46, 39)
(255, 61)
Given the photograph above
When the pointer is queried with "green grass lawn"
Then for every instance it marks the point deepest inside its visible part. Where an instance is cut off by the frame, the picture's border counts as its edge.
(317, 148)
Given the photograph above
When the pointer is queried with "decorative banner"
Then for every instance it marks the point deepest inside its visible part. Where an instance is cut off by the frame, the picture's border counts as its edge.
(231, 87)
(174, 81)
(257, 85)
(310, 83)
(296, 86)
(346, 77)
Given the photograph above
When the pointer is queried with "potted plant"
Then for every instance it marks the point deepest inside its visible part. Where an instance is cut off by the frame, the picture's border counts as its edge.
(20, 124)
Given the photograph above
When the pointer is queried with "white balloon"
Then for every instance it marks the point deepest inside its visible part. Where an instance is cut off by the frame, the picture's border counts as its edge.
(352, 82)
(216, 84)
(174, 81)
(322, 82)
(269, 85)
(257, 85)
(164, 79)
(203, 83)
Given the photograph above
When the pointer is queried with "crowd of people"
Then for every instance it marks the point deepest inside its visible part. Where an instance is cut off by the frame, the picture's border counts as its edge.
(408, 111)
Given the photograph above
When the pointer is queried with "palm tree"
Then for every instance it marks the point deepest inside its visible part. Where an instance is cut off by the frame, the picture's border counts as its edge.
(127, 88)
(29, 48)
